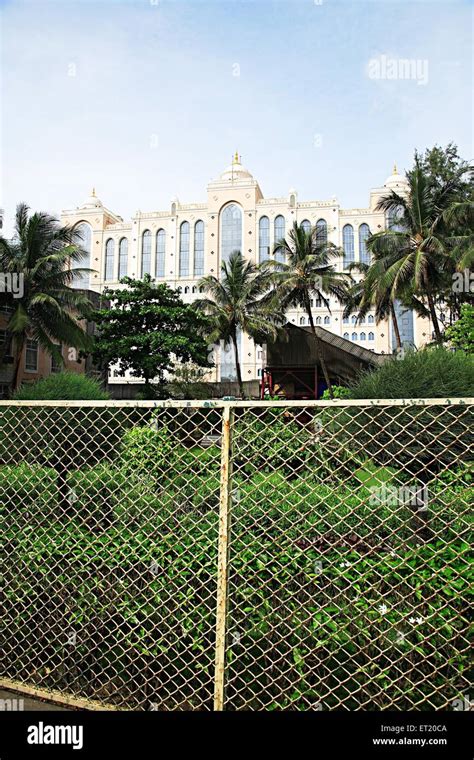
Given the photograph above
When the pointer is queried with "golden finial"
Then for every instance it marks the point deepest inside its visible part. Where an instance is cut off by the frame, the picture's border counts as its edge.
(235, 160)
(395, 170)
(93, 192)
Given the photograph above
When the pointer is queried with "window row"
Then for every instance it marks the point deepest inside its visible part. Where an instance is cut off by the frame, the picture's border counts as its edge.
(360, 336)
(370, 320)
(317, 320)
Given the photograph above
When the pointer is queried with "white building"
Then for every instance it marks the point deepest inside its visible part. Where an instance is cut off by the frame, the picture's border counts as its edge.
(181, 244)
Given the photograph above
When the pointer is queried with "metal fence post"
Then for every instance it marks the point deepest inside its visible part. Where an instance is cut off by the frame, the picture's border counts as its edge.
(223, 556)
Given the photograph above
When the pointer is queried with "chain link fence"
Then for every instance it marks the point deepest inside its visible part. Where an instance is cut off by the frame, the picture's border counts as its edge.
(237, 555)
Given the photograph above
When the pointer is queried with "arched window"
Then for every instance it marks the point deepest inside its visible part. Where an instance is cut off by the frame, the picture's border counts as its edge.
(302, 321)
(371, 336)
(321, 232)
(292, 200)
(348, 244)
(306, 225)
(371, 319)
(109, 259)
(123, 258)
(146, 253)
(263, 239)
(231, 231)
(184, 250)
(345, 320)
(194, 290)
(160, 253)
(362, 336)
(318, 320)
(85, 242)
(354, 319)
(393, 219)
(199, 249)
(354, 336)
(279, 232)
(327, 320)
(346, 335)
(364, 233)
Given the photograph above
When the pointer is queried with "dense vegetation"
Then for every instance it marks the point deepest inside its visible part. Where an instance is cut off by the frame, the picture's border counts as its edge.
(325, 586)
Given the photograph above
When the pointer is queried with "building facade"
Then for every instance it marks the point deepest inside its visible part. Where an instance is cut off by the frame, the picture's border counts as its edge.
(189, 240)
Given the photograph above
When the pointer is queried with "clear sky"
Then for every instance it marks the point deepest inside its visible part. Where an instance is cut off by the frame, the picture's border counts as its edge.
(147, 99)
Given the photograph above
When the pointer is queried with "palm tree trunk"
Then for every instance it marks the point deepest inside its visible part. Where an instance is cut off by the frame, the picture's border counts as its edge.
(434, 318)
(20, 345)
(319, 354)
(396, 329)
(237, 366)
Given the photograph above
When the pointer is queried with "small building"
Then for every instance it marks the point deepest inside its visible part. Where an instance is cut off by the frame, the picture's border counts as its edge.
(292, 368)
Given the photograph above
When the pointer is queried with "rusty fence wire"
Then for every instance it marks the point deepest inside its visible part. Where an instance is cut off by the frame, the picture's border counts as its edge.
(237, 555)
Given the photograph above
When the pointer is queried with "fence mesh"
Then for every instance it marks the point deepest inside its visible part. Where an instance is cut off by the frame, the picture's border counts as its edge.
(210, 555)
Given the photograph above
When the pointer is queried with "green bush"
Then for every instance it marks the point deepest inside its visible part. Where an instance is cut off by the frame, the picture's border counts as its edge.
(62, 386)
(423, 440)
(147, 452)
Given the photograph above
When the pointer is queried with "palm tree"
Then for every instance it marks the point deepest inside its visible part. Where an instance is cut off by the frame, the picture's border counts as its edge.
(41, 254)
(236, 303)
(308, 272)
(416, 254)
(368, 294)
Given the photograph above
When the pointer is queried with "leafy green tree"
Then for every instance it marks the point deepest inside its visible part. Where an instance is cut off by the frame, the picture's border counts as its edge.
(237, 302)
(461, 333)
(308, 272)
(148, 329)
(42, 254)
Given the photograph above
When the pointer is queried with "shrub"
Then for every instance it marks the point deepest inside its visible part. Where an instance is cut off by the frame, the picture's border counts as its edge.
(62, 386)
(461, 334)
(147, 453)
(422, 440)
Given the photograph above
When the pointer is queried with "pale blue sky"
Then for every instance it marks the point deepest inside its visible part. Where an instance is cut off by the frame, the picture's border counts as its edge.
(154, 108)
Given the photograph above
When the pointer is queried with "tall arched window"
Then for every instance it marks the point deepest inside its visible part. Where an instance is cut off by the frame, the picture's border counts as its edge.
(279, 233)
(346, 336)
(199, 249)
(393, 219)
(85, 241)
(231, 231)
(160, 253)
(364, 233)
(318, 320)
(371, 319)
(146, 253)
(263, 239)
(348, 244)
(371, 336)
(345, 320)
(109, 259)
(362, 336)
(123, 258)
(354, 319)
(327, 320)
(306, 225)
(184, 250)
(354, 336)
(321, 231)
(302, 321)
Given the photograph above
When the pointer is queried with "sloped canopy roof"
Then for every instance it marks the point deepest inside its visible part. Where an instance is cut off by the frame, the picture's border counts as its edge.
(295, 347)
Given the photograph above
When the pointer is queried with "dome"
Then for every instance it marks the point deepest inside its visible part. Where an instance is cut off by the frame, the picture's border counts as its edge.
(93, 201)
(395, 180)
(235, 170)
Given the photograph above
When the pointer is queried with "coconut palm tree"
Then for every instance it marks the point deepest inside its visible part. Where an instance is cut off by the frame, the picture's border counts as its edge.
(236, 303)
(308, 272)
(367, 294)
(416, 254)
(45, 308)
